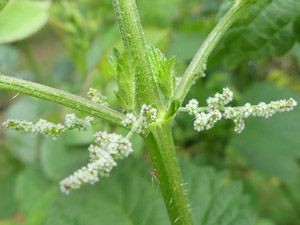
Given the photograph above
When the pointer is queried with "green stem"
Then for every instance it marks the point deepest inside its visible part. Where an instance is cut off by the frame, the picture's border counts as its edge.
(161, 149)
(60, 97)
(134, 42)
(198, 63)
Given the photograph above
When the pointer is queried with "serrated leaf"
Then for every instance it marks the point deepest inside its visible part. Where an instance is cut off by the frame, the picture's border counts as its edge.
(267, 30)
(215, 199)
(20, 19)
(163, 71)
(125, 198)
(30, 186)
(124, 70)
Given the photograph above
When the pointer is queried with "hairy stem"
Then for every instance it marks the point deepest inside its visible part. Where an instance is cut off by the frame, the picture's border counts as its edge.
(161, 149)
(134, 42)
(60, 97)
(198, 64)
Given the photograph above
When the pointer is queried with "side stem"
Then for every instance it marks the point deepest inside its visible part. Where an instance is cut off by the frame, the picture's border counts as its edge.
(161, 149)
(60, 97)
(198, 64)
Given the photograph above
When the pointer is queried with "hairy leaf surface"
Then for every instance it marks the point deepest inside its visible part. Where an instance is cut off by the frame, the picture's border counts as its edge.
(267, 29)
(124, 70)
(163, 71)
(215, 199)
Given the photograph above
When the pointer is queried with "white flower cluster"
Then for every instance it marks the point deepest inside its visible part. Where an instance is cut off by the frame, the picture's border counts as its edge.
(220, 99)
(95, 96)
(25, 126)
(47, 128)
(41, 127)
(103, 153)
(141, 122)
(206, 121)
(192, 106)
(117, 145)
(236, 114)
(71, 121)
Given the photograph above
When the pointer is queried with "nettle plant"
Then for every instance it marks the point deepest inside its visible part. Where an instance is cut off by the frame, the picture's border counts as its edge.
(151, 96)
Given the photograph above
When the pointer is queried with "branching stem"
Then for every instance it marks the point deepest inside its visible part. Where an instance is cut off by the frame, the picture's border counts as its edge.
(60, 97)
(198, 64)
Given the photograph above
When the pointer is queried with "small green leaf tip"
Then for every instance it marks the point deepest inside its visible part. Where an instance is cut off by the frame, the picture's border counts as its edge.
(163, 70)
(124, 67)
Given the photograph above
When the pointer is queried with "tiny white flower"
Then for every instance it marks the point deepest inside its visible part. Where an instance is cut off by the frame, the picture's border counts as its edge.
(192, 106)
(71, 121)
(96, 96)
(141, 122)
(220, 100)
(129, 120)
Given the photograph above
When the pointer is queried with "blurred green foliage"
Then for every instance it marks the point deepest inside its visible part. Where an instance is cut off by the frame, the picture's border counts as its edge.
(259, 59)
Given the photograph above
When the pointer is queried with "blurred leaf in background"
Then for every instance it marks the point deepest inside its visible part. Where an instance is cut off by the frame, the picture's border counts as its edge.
(20, 19)
(266, 30)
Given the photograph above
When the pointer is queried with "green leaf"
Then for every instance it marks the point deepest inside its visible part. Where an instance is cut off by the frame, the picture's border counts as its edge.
(9, 58)
(8, 204)
(58, 161)
(267, 30)
(20, 19)
(215, 199)
(163, 70)
(3, 4)
(124, 70)
(38, 214)
(296, 28)
(25, 146)
(271, 145)
(9, 223)
(296, 52)
(163, 13)
(30, 186)
(125, 198)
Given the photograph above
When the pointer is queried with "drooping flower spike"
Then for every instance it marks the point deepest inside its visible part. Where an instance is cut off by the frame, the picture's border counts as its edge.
(103, 153)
